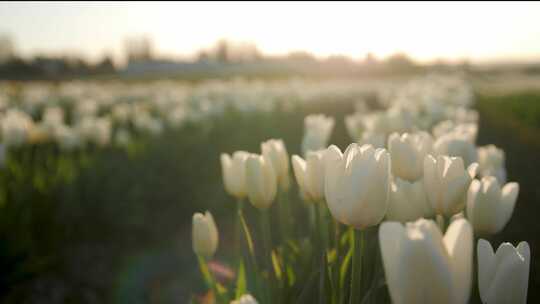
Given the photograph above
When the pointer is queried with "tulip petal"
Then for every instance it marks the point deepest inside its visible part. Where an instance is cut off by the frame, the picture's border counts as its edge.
(486, 267)
(509, 194)
(391, 236)
(459, 244)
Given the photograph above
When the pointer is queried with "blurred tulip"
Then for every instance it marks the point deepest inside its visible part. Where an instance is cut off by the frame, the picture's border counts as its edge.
(318, 129)
(491, 162)
(446, 182)
(357, 184)
(503, 277)
(261, 181)
(453, 144)
(234, 173)
(275, 151)
(423, 266)
(407, 153)
(205, 234)
(408, 201)
(309, 175)
(489, 208)
(245, 299)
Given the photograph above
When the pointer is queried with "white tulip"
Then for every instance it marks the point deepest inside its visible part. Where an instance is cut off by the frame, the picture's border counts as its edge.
(261, 181)
(318, 129)
(454, 144)
(503, 277)
(446, 182)
(357, 184)
(16, 127)
(408, 201)
(423, 266)
(491, 161)
(275, 151)
(234, 173)
(309, 174)
(245, 299)
(489, 208)
(407, 153)
(205, 234)
(377, 140)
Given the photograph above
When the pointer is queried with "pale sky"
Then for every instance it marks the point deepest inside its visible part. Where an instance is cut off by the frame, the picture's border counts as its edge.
(426, 31)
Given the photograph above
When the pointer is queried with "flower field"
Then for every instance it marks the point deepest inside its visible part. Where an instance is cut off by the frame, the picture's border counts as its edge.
(105, 188)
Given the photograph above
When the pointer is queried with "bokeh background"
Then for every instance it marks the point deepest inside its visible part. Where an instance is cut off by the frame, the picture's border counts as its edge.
(113, 225)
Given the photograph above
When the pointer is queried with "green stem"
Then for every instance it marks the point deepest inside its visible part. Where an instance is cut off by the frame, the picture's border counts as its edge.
(208, 277)
(267, 253)
(249, 255)
(323, 225)
(317, 231)
(356, 276)
(238, 228)
(284, 215)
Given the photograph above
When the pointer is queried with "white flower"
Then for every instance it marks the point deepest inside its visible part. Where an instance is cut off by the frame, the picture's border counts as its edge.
(245, 299)
(261, 181)
(16, 127)
(234, 173)
(408, 201)
(407, 153)
(205, 234)
(503, 277)
(357, 184)
(489, 208)
(275, 151)
(309, 174)
(491, 162)
(423, 266)
(454, 144)
(446, 182)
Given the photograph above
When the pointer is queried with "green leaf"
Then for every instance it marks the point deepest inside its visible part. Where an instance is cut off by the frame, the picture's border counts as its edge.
(249, 240)
(241, 281)
(344, 269)
(277, 266)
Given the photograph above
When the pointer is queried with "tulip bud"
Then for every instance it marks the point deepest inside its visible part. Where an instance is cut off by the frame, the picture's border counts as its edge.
(309, 175)
(408, 201)
(318, 129)
(245, 299)
(491, 162)
(423, 266)
(457, 145)
(357, 184)
(446, 182)
(261, 181)
(503, 277)
(275, 151)
(489, 207)
(205, 234)
(407, 153)
(234, 173)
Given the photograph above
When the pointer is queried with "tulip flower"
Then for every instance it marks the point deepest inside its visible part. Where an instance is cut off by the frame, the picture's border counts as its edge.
(408, 201)
(318, 129)
(275, 151)
(446, 182)
(357, 184)
(503, 277)
(407, 153)
(245, 299)
(491, 162)
(234, 173)
(489, 207)
(261, 181)
(458, 145)
(309, 175)
(423, 266)
(205, 234)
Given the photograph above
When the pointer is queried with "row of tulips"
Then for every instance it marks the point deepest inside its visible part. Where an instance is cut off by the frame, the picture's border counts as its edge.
(406, 213)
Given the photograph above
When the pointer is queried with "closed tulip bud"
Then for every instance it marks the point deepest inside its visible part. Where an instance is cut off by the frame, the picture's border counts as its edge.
(309, 175)
(489, 207)
(457, 145)
(245, 299)
(357, 184)
(408, 201)
(446, 182)
(234, 173)
(275, 151)
(503, 277)
(205, 234)
(407, 153)
(423, 266)
(491, 162)
(261, 181)
(318, 129)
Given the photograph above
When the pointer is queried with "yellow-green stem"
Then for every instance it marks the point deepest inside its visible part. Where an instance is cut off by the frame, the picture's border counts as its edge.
(356, 275)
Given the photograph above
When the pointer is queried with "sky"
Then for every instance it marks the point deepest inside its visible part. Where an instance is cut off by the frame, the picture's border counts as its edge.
(479, 31)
